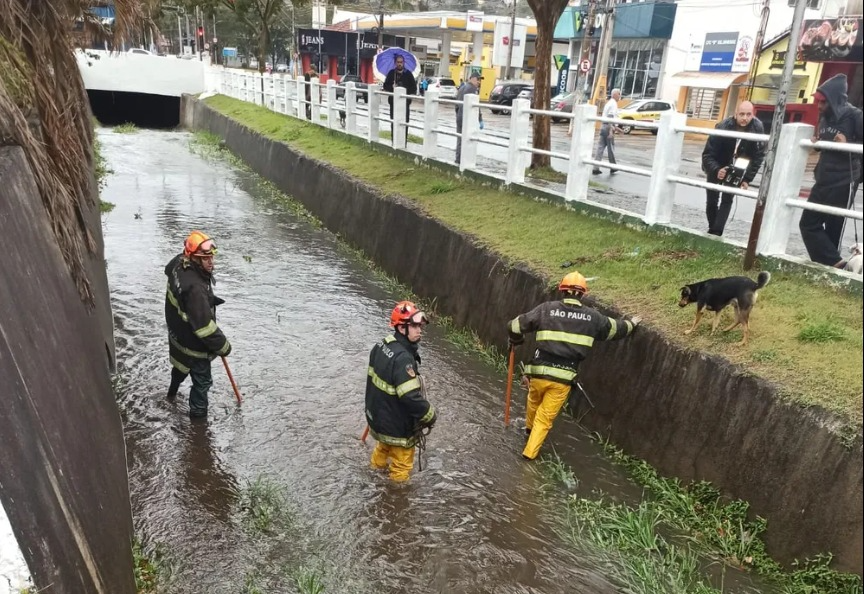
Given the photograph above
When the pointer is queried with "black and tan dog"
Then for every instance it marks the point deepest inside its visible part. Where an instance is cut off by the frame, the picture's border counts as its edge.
(716, 293)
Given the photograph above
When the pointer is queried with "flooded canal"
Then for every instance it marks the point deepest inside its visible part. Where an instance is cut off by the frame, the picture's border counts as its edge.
(302, 313)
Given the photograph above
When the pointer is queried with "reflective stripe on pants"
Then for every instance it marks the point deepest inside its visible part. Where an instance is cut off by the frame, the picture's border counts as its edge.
(401, 460)
(545, 399)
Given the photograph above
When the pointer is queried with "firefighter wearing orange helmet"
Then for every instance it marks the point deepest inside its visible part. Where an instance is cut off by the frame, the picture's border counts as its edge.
(565, 332)
(397, 411)
(194, 338)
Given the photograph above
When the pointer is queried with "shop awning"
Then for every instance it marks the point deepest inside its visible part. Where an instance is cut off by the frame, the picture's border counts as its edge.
(708, 80)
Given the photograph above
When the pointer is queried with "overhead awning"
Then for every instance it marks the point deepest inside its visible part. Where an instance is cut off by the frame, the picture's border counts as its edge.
(709, 80)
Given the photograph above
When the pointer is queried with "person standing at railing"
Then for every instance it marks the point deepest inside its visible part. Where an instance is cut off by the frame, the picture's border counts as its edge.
(719, 160)
(608, 131)
(399, 77)
(472, 87)
(836, 173)
(310, 76)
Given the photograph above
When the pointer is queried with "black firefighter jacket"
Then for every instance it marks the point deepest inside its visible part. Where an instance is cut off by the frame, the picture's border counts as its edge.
(720, 152)
(835, 168)
(566, 331)
(190, 312)
(396, 406)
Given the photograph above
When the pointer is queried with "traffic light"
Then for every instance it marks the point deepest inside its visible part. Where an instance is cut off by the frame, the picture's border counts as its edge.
(200, 38)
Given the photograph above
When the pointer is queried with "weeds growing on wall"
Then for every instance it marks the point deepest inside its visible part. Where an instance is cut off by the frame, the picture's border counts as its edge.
(101, 170)
(152, 570)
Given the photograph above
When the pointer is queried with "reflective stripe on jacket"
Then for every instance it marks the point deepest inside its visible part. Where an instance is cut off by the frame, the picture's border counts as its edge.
(566, 331)
(395, 403)
(190, 312)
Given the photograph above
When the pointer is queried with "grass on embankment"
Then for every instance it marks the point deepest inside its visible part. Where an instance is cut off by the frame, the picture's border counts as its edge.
(805, 335)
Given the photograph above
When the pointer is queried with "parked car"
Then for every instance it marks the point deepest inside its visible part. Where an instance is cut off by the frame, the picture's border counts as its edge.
(505, 93)
(281, 67)
(643, 110)
(362, 88)
(564, 104)
(445, 86)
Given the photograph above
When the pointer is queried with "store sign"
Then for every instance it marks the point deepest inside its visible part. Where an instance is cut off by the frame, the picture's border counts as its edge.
(563, 64)
(778, 60)
(718, 52)
(501, 47)
(832, 40)
(743, 54)
(474, 21)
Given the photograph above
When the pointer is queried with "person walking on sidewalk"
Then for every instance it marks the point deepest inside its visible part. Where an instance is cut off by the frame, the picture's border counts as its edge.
(718, 160)
(607, 132)
(836, 173)
(566, 330)
(194, 338)
(472, 87)
(397, 411)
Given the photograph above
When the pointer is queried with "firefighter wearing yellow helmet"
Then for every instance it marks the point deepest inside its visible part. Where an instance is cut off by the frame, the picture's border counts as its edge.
(194, 338)
(565, 332)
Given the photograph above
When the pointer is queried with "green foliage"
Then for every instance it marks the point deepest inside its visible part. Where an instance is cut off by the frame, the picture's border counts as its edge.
(442, 187)
(547, 174)
(556, 470)
(263, 507)
(825, 331)
(308, 581)
(150, 566)
(127, 128)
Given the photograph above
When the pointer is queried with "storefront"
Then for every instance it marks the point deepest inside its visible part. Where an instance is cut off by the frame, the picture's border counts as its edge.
(335, 53)
(838, 44)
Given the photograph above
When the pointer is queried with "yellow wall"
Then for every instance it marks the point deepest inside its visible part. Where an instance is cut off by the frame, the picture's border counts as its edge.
(488, 72)
(811, 69)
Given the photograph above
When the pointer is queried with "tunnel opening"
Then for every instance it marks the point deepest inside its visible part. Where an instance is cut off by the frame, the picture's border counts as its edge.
(113, 108)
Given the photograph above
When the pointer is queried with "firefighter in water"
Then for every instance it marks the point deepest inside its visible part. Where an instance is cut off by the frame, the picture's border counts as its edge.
(194, 339)
(396, 407)
(566, 331)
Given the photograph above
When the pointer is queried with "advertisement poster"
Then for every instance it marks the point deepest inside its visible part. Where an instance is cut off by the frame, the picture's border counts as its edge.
(743, 54)
(718, 52)
(832, 40)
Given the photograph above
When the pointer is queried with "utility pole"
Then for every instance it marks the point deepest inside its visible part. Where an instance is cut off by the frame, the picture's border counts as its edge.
(509, 70)
(585, 51)
(776, 123)
(757, 48)
(381, 25)
(598, 98)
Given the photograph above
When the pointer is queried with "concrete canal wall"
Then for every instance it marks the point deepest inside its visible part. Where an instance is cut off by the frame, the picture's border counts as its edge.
(690, 415)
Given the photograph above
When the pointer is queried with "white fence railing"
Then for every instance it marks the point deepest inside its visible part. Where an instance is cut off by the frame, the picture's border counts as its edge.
(288, 96)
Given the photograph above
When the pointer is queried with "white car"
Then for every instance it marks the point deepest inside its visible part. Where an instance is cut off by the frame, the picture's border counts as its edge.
(445, 86)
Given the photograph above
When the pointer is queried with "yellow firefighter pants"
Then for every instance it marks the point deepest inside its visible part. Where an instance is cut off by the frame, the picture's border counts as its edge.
(401, 460)
(545, 399)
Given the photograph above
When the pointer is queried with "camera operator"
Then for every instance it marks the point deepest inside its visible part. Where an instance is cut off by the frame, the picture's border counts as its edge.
(731, 162)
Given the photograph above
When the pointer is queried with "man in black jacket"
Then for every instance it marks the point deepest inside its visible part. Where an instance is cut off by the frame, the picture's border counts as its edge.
(194, 339)
(835, 174)
(396, 407)
(720, 154)
(399, 77)
(565, 332)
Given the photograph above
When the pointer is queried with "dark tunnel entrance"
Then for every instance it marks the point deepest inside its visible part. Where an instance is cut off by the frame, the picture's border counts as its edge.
(113, 108)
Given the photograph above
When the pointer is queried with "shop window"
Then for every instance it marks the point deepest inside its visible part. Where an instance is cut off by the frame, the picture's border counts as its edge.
(635, 67)
(704, 104)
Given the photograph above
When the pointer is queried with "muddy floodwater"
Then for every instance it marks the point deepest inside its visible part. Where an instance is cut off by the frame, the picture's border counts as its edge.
(302, 313)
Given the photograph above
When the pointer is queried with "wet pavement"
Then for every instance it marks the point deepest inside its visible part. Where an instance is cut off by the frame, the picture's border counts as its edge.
(302, 312)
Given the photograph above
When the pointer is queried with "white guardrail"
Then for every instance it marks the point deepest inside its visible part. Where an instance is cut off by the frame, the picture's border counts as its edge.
(287, 95)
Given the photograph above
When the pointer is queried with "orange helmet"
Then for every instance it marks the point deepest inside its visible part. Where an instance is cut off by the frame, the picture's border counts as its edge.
(573, 283)
(199, 244)
(405, 313)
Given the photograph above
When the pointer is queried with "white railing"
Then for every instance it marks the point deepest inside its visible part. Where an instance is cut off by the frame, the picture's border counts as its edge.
(287, 95)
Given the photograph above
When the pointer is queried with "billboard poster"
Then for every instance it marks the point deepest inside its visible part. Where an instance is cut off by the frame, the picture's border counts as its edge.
(500, 48)
(743, 54)
(718, 52)
(832, 40)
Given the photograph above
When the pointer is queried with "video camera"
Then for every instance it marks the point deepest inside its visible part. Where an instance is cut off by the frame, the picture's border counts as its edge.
(735, 172)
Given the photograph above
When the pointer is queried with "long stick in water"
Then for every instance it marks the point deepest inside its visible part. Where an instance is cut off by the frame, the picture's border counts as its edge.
(231, 379)
(509, 387)
(365, 433)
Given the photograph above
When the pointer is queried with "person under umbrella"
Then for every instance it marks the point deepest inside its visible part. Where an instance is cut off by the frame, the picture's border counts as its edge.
(399, 76)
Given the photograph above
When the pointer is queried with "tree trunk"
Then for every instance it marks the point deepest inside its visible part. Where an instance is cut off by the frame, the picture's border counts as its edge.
(263, 47)
(547, 13)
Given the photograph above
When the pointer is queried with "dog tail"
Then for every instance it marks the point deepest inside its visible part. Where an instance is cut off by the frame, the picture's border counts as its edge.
(763, 279)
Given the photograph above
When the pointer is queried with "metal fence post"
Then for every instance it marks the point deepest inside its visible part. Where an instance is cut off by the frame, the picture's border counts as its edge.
(430, 123)
(374, 103)
(667, 157)
(581, 145)
(519, 129)
(789, 164)
(315, 93)
(332, 111)
(400, 113)
(351, 107)
(470, 132)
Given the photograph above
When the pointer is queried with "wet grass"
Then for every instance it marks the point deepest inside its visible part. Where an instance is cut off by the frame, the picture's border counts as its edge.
(547, 174)
(127, 128)
(263, 507)
(152, 570)
(411, 137)
(544, 235)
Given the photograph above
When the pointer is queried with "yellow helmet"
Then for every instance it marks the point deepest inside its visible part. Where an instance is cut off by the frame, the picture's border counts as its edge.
(574, 282)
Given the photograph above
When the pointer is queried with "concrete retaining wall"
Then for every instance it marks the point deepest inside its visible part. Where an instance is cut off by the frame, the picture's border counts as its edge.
(690, 415)
(62, 455)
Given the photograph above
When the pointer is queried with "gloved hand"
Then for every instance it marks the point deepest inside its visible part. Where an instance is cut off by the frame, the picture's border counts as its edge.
(514, 342)
(482, 125)
(228, 352)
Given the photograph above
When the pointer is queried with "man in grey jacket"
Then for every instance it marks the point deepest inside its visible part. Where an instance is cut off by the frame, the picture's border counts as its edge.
(472, 87)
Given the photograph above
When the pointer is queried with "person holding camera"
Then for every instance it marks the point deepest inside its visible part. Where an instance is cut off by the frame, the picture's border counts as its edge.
(731, 162)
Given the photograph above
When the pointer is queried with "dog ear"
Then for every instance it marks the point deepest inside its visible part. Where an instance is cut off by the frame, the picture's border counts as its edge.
(685, 291)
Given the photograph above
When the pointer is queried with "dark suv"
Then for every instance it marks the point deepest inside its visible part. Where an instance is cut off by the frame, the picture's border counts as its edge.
(505, 93)
(362, 87)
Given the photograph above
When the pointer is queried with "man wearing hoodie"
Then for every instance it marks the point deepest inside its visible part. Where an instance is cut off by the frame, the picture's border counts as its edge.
(835, 172)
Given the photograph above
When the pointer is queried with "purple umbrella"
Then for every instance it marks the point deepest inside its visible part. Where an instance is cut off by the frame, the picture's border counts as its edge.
(385, 61)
